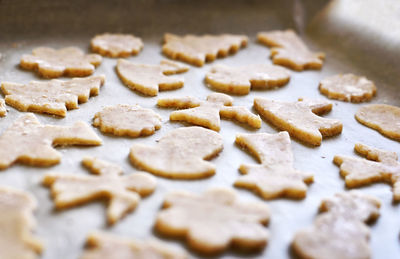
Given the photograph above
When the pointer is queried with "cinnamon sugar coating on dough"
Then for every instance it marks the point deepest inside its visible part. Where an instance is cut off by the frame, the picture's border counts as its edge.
(3, 110)
(197, 50)
(116, 45)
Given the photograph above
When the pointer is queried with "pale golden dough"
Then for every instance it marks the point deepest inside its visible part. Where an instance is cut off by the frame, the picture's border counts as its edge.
(149, 79)
(287, 49)
(340, 230)
(51, 63)
(239, 80)
(197, 50)
(381, 166)
(300, 118)
(101, 245)
(122, 191)
(116, 45)
(127, 120)
(31, 143)
(213, 221)
(348, 88)
(180, 154)
(52, 97)
(275, 177)
(208, 113)
(381, 117)
(16, 225)
(3, 110)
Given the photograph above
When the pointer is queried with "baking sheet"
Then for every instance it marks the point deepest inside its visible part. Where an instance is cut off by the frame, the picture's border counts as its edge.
(25, 25)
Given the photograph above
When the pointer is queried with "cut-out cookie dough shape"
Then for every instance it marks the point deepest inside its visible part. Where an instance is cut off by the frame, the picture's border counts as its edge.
(180, 154)
(214, 220)
(116, 45)
(149, 79)
(301, 119)
(287, 49)
(16, 224)
(340, 231)
(379, 166)
(275, 177)
(102, 245)
(127, 120)
(3, 110)
(197, 50)
(208, 113)
(52, 97)
(381, 117)
(52, 63)
(239, 80)
(31, 143)
(122, 191)
(348, 88)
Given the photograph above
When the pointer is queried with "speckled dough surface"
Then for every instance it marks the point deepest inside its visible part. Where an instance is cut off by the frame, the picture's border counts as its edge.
(16, 225)
(208, 113)
(52, 97)
(275, 177)
(116, 45)
(239, 80)
(212, 221)
(3, 109)
(181, 153)
(127, 120)
(287, 49)
(52, 63)
(122, 191)
(340, 230)
(197, 50)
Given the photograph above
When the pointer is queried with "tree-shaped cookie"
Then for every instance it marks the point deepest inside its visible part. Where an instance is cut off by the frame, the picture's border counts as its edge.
(239, 80)
(116, 45)
(208, 113)
(54, 96)
(348, 88)
(197, 50)
(380, 166)
(127, 120)
(381, 117)
(301, 119)
(53, 63)
(16, 225)
(149, 79)
(287, 49)
(3, 110)
(340, 230)
(181, 153)
(275, 177)
(122, 191)
(213, 221)
(102, 245)
(31, 143)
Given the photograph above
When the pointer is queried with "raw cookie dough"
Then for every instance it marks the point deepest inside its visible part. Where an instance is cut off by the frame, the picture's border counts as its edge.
(31, 143)
(102, 245)
(239, 80)
(300, 118)
(381, 117)
(380, 166)
(52, 97)
(116, 45)
(16, 224)
(287, 49)
(197, 50)
(180, 154)
(127, 120)
(122, 191)
(3, 110)
(208, 113)
(275, 177)
(213, 221)
(149, 79)
(51, 63)
(348, 88)
(340, 230)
